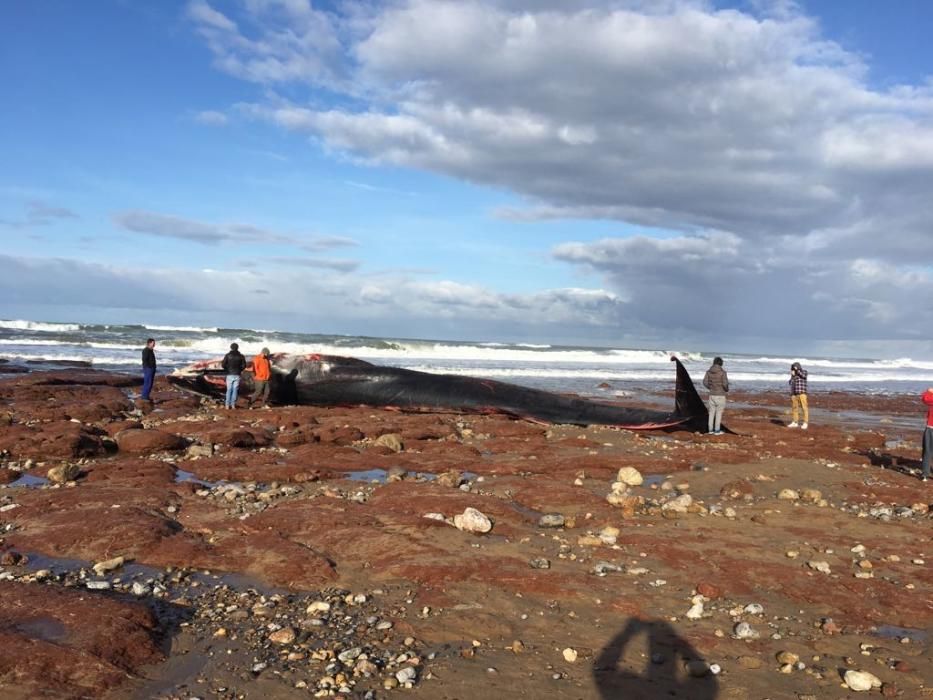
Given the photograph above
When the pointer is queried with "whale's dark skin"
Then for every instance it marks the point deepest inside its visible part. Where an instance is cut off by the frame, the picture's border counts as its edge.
(328, 380)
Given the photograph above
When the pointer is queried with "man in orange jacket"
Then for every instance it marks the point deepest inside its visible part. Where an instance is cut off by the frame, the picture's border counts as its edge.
(262, 373)
(928, 434)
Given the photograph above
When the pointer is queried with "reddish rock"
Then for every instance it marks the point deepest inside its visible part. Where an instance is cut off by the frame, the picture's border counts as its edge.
(240, 437)
(734, 490)
(709, 590)
(55, 440)
(65, 643)
(339, 434)
(149, 441)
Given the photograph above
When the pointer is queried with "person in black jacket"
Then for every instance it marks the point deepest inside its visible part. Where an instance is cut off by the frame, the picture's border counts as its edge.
(149, 369)
(234, 363)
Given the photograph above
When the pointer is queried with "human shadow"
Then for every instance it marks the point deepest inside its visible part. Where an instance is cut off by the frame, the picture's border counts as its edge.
(888, 460)
(664, 673)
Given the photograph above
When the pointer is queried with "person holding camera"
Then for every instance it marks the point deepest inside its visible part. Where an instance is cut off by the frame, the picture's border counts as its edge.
(798, 396)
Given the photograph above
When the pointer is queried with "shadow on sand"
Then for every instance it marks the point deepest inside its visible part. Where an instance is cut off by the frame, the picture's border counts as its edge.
(887, 460)
(663, 673)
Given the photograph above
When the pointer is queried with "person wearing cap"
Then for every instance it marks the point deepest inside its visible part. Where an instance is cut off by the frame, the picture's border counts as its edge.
(262, 374)
(798, 396)
(717, 381)
(234, 363)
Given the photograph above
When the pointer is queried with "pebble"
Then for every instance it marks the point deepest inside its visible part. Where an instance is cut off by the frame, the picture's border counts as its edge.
(98, 585)
(819, 565)
(540, 563)
(679, 504)
(860, 681)
(472, 520)
(406, 675)
(788, 495)
(743, 630)
(551, 520)
(102, 567)
(787, 657)
(630, 476)
(570, 655)
(286, 635)
(754, 609)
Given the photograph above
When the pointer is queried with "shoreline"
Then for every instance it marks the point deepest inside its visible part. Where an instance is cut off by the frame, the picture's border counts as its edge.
(329, 568)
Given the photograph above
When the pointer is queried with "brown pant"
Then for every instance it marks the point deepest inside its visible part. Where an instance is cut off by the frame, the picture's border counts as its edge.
(798, 401)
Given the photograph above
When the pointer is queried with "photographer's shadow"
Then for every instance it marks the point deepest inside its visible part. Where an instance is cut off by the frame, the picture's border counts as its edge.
(664, 674)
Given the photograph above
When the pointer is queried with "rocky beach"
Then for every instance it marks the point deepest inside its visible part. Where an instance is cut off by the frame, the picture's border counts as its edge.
(177, 550)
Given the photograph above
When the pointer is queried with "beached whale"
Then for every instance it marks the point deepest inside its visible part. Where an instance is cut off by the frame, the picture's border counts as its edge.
(329, 380)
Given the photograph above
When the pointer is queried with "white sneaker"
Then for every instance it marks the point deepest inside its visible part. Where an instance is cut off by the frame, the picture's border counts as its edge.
(792, 425)
(803, 426)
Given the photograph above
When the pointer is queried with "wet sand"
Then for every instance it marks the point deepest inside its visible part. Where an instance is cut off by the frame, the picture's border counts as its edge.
(299, 552)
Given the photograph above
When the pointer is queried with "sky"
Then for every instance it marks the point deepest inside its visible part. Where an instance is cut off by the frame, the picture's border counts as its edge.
(746, 176)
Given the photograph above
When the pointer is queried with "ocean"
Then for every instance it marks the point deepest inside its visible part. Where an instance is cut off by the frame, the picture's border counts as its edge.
(575, 369)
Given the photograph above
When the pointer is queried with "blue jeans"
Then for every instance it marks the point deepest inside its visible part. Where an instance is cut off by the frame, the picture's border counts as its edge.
(148, 379)
(233, 386)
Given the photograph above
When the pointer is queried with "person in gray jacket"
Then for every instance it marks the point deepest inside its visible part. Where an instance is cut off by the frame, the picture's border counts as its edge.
(717, 381)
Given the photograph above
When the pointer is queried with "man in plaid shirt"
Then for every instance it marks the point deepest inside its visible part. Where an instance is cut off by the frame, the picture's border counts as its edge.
(798, 396)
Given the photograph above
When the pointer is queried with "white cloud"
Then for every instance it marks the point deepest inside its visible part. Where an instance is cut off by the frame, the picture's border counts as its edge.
(211, 118)
(208, 233)
(792, 178)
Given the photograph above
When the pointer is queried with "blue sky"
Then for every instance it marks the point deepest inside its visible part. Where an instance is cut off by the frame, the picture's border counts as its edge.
(750, 175)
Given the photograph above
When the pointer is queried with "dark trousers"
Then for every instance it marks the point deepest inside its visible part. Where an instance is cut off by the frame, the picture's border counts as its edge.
(260, 390)
(927, 449)
(148, 379)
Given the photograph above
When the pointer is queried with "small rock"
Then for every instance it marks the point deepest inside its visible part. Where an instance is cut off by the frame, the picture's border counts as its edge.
(472, 520)
(64, 473)
(743, 630)
(102, 567)
(286, 635)
(551, 520)
(819, 565)
(788, 495)
(787, 657)
(630, 476)
(407, 675)
(540, 563)
(860, 681)
(392, 441)
(697, 668)
(570, 655)
(680, 504)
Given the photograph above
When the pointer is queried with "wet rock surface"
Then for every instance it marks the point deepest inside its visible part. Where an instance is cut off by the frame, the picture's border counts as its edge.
(179, 551)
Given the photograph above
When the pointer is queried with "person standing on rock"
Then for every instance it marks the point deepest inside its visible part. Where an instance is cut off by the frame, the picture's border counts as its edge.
(234, 363)
(149, 369)
(717, 381)
(927, 435)
(798, 396)
(262, 374)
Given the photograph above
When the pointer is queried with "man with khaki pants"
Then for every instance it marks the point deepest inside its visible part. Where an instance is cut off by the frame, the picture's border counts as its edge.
(798, 396)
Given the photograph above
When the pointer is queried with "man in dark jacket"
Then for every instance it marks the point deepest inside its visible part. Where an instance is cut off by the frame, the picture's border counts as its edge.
(149, 369)
(234, 363)
(717, 381)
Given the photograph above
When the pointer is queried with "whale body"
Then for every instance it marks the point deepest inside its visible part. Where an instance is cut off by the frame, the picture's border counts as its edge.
(330, 380)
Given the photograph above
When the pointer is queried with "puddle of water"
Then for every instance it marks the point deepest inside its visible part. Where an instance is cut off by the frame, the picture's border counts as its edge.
(895, 632)
(45, 628)
(530, 513)
(28, 481)
(377, 475)
(131, 572)
(654, 479)
(382, 476)
(182, 476)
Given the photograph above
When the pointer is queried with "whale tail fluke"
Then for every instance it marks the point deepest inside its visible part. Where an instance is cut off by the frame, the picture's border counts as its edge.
(687, 401)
